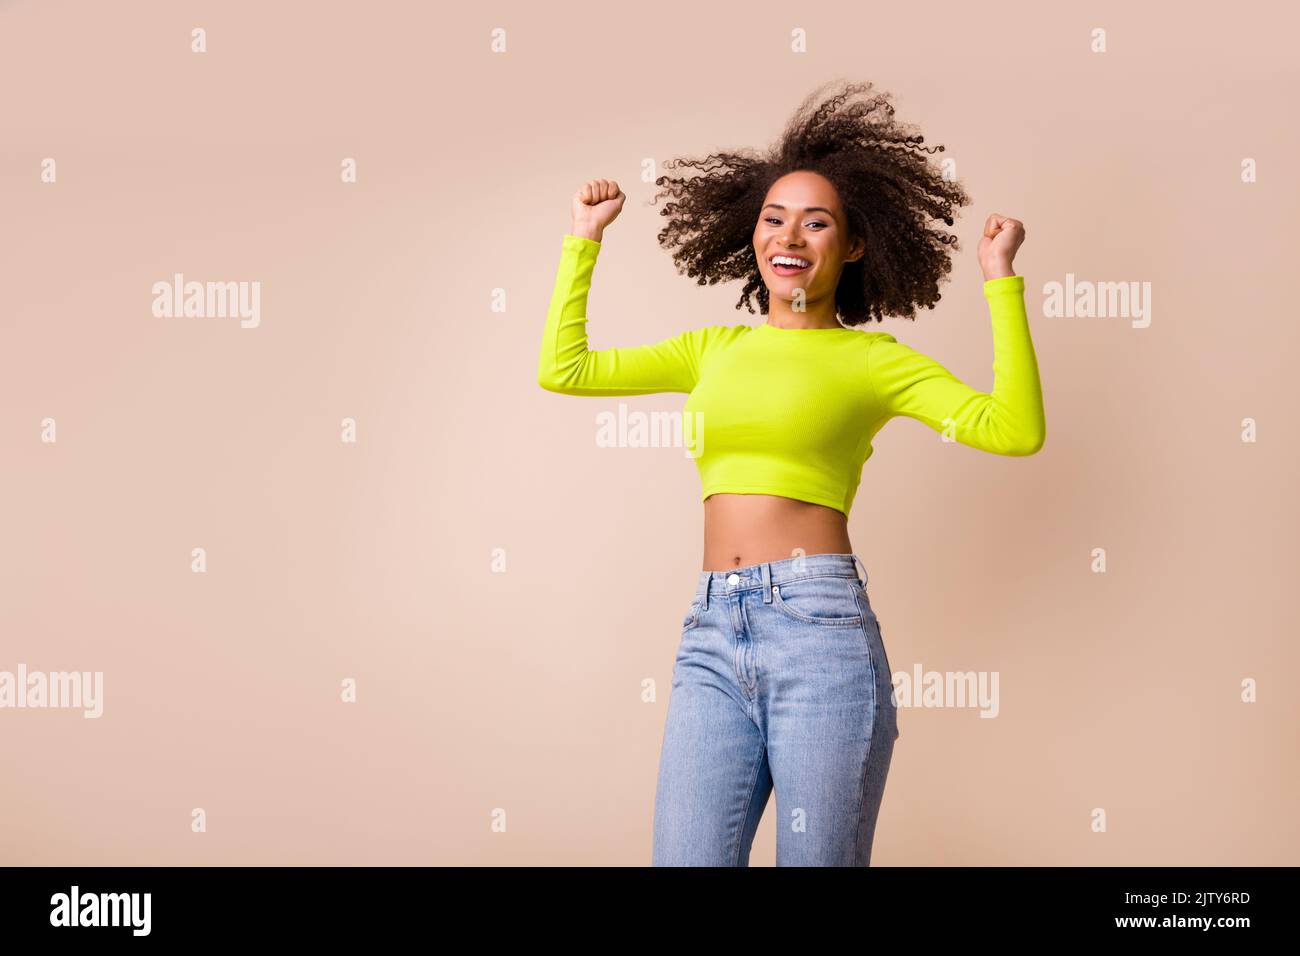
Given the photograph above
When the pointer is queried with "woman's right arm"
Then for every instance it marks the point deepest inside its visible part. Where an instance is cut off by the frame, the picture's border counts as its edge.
(568, 367)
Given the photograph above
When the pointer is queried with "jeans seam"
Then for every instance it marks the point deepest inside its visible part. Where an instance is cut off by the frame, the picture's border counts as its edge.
(866, 757)
(744, 817)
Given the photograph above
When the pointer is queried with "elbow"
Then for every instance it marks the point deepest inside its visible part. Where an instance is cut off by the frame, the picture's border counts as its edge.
(546, 377)
(552, 374)
(1016, 444)
(1032, 444)
(549, 380)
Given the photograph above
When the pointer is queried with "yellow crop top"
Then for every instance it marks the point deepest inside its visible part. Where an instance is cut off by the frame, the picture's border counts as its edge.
(792, 412)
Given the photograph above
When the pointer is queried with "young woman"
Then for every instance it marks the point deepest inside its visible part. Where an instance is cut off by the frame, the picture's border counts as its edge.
(781, 678)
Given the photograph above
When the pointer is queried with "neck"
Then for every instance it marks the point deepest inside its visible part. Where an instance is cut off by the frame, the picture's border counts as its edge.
(819, 314)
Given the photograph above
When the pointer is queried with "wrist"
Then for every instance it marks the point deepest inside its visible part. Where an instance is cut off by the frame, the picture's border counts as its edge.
(587, 232)
(997, 269)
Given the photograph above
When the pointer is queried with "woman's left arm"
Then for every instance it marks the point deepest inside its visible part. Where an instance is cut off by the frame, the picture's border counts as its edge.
(1010, 419)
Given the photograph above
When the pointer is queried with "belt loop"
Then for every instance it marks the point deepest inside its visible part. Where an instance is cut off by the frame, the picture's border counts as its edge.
(858, 562)
(767, 582)
(708, 583)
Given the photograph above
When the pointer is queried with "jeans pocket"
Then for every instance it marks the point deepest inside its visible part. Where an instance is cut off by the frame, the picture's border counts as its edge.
(692, 616)
(826, 600)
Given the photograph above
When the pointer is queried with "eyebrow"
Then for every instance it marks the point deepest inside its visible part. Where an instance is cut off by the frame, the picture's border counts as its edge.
(808, 209)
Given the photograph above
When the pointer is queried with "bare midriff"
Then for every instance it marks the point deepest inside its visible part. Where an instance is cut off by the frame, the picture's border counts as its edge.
(740, 530)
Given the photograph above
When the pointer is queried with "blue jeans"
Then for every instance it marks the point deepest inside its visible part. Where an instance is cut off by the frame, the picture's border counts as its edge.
(781, 680)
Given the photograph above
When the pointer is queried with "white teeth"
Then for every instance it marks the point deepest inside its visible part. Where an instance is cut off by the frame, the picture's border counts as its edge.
(790, 261)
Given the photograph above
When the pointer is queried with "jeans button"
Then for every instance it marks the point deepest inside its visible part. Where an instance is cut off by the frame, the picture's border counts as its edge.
(733, 580)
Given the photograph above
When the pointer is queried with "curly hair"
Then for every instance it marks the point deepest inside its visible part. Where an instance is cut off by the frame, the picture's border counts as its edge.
(890, 195)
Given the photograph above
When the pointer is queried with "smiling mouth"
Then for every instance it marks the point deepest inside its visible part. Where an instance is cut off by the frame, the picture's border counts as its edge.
(790, 266)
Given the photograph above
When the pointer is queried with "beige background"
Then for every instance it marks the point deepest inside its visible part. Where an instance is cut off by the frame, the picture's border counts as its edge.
(523, 690)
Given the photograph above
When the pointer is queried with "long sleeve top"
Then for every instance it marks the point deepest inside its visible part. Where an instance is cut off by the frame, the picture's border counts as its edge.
(792, 412)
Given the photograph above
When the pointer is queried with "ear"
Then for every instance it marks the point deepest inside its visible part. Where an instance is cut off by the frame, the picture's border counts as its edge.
(857, 249)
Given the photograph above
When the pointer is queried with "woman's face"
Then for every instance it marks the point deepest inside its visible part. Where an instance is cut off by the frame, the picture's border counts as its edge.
(802, 218)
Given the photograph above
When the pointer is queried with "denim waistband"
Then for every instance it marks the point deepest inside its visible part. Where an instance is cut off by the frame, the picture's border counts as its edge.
(765, 575)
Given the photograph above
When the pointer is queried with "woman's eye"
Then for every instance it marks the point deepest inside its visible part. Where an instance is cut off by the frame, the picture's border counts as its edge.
(776, 222)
